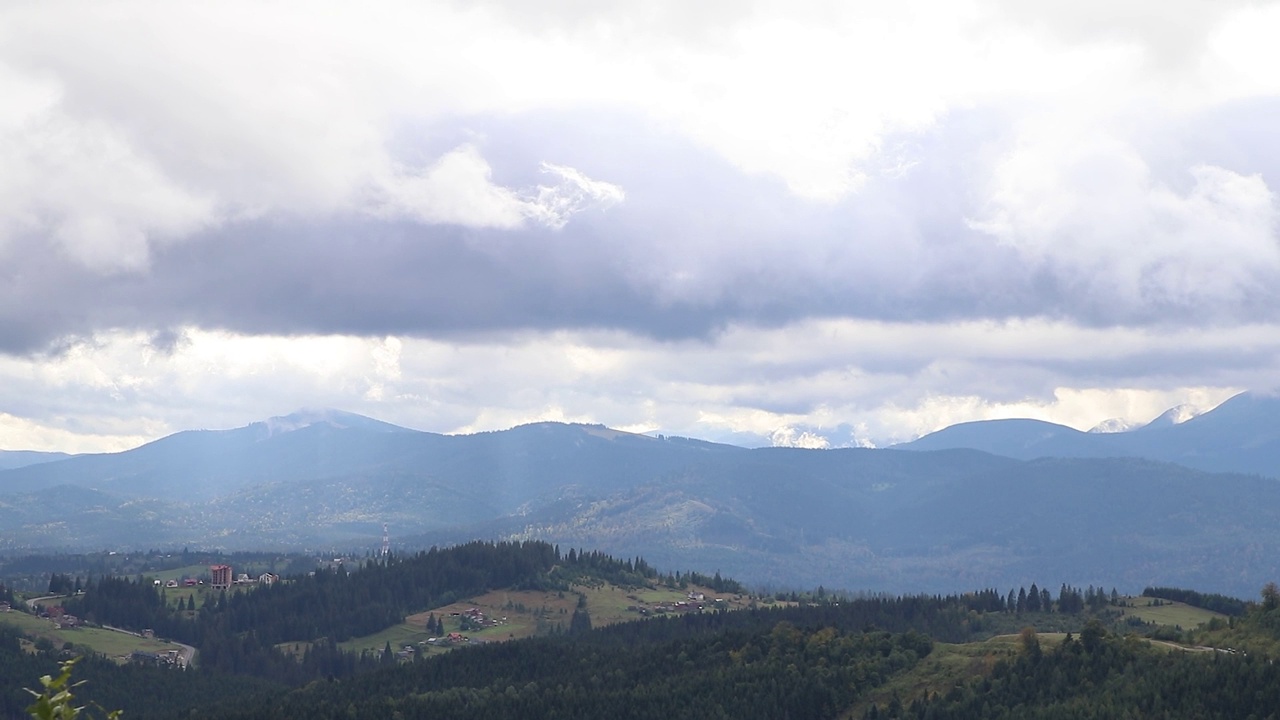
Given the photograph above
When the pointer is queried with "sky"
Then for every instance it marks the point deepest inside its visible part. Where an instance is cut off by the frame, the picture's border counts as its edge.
(818, 223)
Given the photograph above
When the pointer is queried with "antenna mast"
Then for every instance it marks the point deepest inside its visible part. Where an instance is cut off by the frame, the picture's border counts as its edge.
(386, 541)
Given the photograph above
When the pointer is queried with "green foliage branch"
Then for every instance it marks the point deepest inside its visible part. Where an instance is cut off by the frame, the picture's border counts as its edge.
(56, 701)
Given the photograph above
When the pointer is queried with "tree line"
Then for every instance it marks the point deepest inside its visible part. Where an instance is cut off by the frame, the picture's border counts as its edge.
(1233, 607)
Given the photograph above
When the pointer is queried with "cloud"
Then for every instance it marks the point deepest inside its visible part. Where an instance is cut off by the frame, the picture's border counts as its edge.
(1085, 209)
(839, 382)
(83, 186)
(1171, 36)
(458, 189)
(791, 437)
(553, 205)
(767, 216)
(1077, 226)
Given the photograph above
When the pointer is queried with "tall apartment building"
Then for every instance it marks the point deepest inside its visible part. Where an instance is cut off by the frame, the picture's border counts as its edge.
(221, 575)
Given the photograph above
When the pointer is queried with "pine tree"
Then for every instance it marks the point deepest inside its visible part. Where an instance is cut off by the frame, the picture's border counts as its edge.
(581, 620)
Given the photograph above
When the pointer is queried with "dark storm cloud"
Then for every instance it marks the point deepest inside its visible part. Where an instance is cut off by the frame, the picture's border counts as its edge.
(695, 246)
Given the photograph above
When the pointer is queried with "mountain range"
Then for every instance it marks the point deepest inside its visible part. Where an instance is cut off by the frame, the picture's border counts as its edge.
(1240, 435)
(995, 503)
(10, 459)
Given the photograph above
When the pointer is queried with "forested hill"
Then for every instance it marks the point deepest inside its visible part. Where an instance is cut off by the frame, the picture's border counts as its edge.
(238, 632)
(330, 602)
(145, 692)
(811, 661)
(873, 657)
(1096, 676)
(810, 655)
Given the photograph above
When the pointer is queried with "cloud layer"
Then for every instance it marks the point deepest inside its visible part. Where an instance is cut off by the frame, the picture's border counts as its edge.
(648, 185)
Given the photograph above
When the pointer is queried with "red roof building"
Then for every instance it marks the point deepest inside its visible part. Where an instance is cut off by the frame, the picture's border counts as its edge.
(220, 576)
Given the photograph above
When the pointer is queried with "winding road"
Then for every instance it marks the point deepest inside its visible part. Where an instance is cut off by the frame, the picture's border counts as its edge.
(185, 657)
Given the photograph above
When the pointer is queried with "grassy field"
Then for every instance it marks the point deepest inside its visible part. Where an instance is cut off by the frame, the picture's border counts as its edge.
(109, 643)
(518, 614)
(398, 635)
(526, 613)
(193, 571)
(198, 593)
(1169, 613)
(947, 666)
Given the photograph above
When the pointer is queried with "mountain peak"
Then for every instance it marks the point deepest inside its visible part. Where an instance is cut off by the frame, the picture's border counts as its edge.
(1173, 416)
(1113, 425)
(339, 419)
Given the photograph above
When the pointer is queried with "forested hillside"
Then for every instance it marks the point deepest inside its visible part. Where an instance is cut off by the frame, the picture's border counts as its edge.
(1102, 676)
(1082, 653)
(145, 692)
(812, 661)
(238, 631)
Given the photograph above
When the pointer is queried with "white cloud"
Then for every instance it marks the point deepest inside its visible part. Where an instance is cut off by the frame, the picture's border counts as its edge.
(574, 192)
(791, 437)
(167, 118)
(459, 189)
(1170, 34)
(82, 184)
(1242, 51)
(24, 434)
(1085, 205)
(129, 125)
(802, 385)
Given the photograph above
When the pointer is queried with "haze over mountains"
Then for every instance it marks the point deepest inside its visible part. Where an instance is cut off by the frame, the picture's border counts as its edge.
(992, 503)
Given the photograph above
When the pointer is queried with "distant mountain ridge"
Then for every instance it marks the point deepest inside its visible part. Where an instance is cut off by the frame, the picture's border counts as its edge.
(10, 459)
(888, 519)
(1241, 435)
